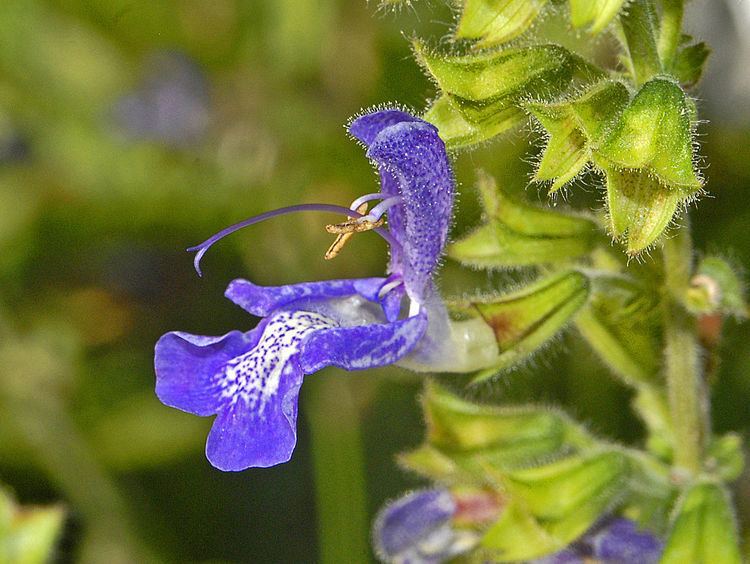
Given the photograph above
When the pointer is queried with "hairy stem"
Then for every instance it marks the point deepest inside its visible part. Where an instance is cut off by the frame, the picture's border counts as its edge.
(639, 33)
(670, 30)
(685, 387)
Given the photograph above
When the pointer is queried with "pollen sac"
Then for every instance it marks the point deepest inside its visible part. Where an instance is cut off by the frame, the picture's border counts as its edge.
(480, 92)
(492, 23)
(517, 234)
(704, 528)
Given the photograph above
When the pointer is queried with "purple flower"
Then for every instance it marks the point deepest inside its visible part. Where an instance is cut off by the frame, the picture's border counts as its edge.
(418, 529)
(615, 541)
(171, 105)
(251, 380)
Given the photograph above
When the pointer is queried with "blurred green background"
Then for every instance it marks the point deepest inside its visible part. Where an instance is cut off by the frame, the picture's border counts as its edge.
(130, 130)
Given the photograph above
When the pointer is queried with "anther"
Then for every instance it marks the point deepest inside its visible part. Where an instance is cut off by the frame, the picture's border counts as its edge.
(344, 236)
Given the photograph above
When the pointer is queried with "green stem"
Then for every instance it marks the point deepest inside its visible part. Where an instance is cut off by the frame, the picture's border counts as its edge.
(670, 31)
(338, 463)
(639, 31)
(68, 461)
(685, 388)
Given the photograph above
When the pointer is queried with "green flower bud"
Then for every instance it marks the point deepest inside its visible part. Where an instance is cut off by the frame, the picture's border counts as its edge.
(557, 490)
(689, 64)
(518, 234)
(703, 529)
(494, 22)
(556, 503)
(596, 14)
(483, 89)
(456, 132)
(466, 439)
(716, 288)
(575, 128)
(621, 323)
(28, 535)
(640, 207)
(525, 320)
(655, 133)
(489, 75)
(455, 423)
(725, 457)
(516, 536)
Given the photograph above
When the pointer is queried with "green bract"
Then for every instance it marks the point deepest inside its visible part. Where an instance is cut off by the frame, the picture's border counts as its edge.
(492, 22)
(703, 528)
(485, 88)
(596, 14)
(716, 287)
(497, 21)
(621, 324)
(525, 320)
(639, 207)
(644, 148)
(518, 234)
(655, 133)
(576, 128)
(28, 535)
(689, 63)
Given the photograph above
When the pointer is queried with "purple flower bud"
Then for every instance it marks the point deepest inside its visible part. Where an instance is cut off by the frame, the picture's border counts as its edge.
(418, 529)
(614, 541)
(170, 106)
(620, 540)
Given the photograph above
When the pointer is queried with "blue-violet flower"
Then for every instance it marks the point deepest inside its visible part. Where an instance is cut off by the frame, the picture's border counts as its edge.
(251, 380)
(418, 529)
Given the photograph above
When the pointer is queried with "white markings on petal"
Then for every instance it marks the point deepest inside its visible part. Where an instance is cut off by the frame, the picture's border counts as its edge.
(254, 377)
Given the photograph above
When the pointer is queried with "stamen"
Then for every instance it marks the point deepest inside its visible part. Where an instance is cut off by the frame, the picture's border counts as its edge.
(377, 212)
(388, 286)
(355, 205)
(342, 238)
(365, 223)
(353, 226)
(201, 249)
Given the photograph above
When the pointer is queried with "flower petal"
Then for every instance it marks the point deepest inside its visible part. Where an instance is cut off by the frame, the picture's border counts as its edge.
(418, 528)
(259, 388)
(365, 128)
(622, 541)
(186, 366)
(361, 346)
(415, 157)
(243, 437)
(263, 300)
